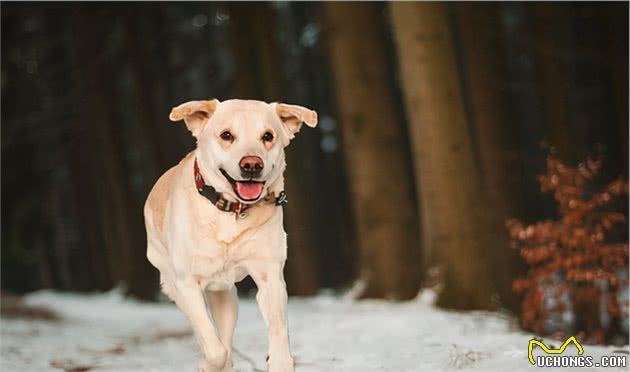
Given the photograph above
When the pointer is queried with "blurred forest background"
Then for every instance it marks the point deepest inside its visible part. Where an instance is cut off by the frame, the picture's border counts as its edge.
(432, 117)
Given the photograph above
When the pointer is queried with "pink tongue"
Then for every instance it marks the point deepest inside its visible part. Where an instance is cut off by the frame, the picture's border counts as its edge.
(249, 190)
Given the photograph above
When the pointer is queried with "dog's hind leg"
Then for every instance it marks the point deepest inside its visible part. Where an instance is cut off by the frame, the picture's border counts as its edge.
(188, 297)
(224, 309)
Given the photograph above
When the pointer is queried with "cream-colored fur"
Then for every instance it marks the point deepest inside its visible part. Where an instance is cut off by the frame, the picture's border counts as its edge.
(202, 251)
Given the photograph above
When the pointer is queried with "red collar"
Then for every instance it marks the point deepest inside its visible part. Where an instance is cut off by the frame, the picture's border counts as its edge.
(217, 199)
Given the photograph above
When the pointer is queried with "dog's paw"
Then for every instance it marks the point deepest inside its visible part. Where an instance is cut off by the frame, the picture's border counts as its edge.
(280, 364)
(205, 366)
(228, 366)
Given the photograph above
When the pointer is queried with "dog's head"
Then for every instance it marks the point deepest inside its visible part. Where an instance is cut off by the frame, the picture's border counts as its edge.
(240, 144)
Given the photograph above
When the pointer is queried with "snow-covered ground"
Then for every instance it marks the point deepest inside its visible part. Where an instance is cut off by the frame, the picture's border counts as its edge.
(106, 332)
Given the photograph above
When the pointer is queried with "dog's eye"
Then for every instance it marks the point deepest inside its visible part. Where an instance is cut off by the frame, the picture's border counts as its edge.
(267, 137)
(227, 136)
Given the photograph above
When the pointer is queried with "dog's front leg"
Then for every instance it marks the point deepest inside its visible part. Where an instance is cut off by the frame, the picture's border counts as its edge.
(189, 298)
(224, 310)
(272, 300)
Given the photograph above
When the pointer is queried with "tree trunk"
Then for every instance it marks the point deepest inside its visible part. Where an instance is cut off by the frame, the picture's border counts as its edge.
(143, 280)
(550, 26)
(81, 156)
(258, 77)
(111, 198)
(144, 88)
(579, 106)
(525, 108)
(457, 230)
(255, 52)
(307, 69)
(484, 74)
(372, 138)
(615, 38)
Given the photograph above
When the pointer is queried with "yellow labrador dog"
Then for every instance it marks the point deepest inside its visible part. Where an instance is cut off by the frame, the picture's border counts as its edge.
(216, 217)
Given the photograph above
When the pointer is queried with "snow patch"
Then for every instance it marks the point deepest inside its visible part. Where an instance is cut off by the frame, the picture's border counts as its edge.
(109, 332)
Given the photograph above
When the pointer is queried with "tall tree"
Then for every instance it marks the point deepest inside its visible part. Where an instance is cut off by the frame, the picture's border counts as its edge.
(373, 143)
(257, 61)
(484, 76)
(578, 96)
(82, 153)
(456, 225)
(594, 97)
(550, 25)
(144, 128)
(305, 66)
(119, 214)
(524, 106)
(614, 18)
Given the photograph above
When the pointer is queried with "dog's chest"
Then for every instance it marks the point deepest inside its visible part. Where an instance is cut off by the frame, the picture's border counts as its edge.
(217, 273)
(214, 247)
(228, 227)
(223, 243)
(217, 265)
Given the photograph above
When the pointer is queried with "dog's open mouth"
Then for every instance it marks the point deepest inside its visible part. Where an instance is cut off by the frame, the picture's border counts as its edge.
(247, 190)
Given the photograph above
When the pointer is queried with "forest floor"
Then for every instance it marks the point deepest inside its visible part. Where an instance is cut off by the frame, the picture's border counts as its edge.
(107, 332)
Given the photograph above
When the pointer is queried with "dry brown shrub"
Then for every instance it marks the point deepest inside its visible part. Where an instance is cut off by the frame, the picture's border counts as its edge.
(582, 256)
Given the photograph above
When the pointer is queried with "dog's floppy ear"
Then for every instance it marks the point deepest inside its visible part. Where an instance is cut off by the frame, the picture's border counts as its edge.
(292, 116)
(194, 113)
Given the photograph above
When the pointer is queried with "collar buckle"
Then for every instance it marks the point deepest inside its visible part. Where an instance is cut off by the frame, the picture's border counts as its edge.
(282, 198)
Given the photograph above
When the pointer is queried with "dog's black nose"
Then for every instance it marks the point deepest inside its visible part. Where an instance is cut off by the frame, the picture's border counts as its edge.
(251, 166)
